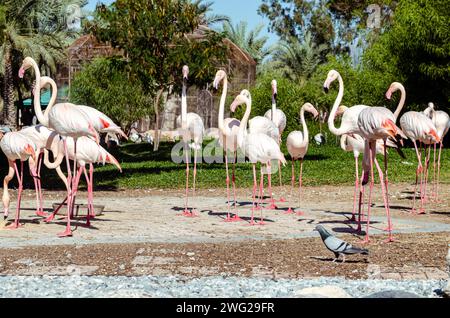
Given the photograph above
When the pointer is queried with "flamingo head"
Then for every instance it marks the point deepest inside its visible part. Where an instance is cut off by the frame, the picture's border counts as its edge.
(29, 150)
(431, 105)
(220, 76)
(185, 72)
(238, 101)
(311, 109)
(332, 76)
(26, 64)
(392, 89)
(341, 110)
(274, 88)
(245, 93)
(434, 136)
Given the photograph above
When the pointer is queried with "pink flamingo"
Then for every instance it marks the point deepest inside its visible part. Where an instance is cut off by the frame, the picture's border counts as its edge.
(258, 147)
(377, 123)
(441, 121)
(297, 145)
(192, 129)
(278, 117)
(15, 146)
(88, 153)
(419, 127)
(67, 120)
(263, 125)
(229, 129)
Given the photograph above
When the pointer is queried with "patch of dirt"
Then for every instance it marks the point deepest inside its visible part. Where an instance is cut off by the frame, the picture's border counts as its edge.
(299, 258)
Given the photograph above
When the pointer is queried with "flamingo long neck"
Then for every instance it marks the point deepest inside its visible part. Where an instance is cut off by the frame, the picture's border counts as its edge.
(184, 105)
(222, 103)
(334, 110)
(37, 96)
(401, 103)
(44, 81)
(305, 128)
(244, 122)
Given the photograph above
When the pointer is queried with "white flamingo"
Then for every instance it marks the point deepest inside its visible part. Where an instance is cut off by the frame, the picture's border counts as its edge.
(418, 127)
(263, 125)
(442, 122)
(258, 147)
(228, 129)
(192, 130)
(278, 117)
(15, 146)
(297, 144)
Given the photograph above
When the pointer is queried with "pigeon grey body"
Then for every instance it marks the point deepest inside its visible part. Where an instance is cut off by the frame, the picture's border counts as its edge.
(338, 246)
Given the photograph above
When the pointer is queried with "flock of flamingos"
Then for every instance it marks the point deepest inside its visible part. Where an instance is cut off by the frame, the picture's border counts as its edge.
(72, 132)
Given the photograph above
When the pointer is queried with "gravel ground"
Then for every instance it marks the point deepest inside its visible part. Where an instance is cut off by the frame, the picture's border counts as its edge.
(223, 287)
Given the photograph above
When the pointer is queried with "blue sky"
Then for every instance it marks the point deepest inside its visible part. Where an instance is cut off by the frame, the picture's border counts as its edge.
(237, 10)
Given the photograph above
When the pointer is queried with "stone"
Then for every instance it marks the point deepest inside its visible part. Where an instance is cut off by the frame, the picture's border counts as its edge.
(324, 291)
(393, 294)
(446, 290)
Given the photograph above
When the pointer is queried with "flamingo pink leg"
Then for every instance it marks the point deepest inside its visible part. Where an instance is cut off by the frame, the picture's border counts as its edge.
(385, 191)
(194, 212)
(68, 231)
(427, 166)
(282, 199)
(255, 184)
(261, 190)
(91, 196)
(439, 172)
(272, 205)
(369, 206)
(236, 217)
(16, 223)
(290, 210)
(228, 219)
(356, 189)
(300, 186)
(186, 211)
(418, 171)
(89, 182)
(41, 199)
(433, 194)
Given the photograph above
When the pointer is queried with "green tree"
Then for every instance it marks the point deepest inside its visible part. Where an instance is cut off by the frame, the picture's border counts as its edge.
(30, 28)
(209, 18)
(298, 60)
(416, 50)
(249, 40)
(158, 39)
(116, 93)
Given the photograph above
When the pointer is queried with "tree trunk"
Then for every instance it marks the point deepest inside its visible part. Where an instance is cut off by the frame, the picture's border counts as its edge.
(9, 107)
(157, 132)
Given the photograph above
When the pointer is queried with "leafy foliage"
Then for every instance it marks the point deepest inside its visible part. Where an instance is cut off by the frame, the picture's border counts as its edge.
(249, 40)
(416, 49)
(106, 85)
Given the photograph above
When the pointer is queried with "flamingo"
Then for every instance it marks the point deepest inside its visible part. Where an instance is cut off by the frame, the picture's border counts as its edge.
(258, 147)
(441, 120)
(418, 127)
(192, 129)
(67, 120)
(278, 117)
(377, 123)
(355, 143)
(15, 146)
(263, 125)
(228, 129)
(88, 153)
(43, 138)
(297, 145)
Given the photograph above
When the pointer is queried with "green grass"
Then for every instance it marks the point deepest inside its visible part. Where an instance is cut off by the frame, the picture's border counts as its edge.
(143, 169)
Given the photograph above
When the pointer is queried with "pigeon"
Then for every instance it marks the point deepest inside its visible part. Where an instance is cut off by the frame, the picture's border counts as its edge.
(338, 246)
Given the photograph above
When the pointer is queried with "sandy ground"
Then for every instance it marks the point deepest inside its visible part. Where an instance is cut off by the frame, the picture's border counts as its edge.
(141, 233)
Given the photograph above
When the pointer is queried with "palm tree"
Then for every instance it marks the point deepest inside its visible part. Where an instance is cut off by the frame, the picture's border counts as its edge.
(249, 40)
(210, 19)
(31, 28)
(298, 59)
